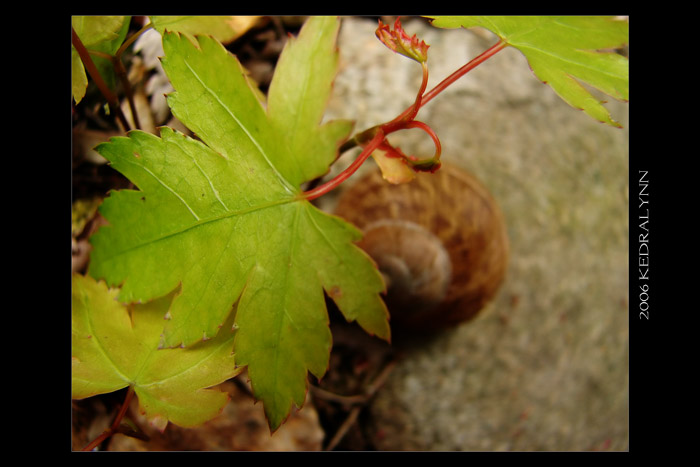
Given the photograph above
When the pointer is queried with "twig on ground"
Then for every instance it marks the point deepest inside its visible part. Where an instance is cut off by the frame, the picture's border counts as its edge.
(360, 402)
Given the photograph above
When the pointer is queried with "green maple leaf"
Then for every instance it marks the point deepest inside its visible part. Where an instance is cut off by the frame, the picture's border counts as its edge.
(224, 219)
(114, 347)
(562, 50)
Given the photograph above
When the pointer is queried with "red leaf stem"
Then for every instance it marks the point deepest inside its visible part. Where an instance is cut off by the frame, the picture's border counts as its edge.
(491, 51)
(403, 121)
(97, 78)
(373, 144)
(410, 113)
(432, 164)
(115, 425)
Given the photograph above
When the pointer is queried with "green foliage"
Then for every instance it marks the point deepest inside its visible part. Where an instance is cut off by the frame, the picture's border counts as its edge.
(223, 219)
(114, 347)
(562, 50)
(103, 34)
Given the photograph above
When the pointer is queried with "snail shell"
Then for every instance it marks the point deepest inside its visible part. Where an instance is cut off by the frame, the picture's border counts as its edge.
(440, 242)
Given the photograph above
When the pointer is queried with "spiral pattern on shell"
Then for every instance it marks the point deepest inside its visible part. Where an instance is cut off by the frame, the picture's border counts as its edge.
(447, 273)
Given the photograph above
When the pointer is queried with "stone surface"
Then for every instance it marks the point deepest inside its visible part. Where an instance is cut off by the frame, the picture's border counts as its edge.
(545, 367)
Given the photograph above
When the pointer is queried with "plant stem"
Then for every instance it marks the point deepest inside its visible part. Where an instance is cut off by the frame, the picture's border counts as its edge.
(97, 78)
(121, 71)
(431, 133)
(403, 121)
(490, 52)
(130, 40)
(122, 75)
(423, 99)
(351, 169)
(113, 428)
(411, 112)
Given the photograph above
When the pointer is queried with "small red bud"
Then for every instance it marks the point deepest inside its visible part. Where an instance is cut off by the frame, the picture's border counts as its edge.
(400, 42)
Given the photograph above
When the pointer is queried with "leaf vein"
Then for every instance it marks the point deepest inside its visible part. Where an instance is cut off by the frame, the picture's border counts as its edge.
(206, 176)
(202, 222)
(564, 59)
(103, 351)
(145, 169)
(250, 136)
(189, 368)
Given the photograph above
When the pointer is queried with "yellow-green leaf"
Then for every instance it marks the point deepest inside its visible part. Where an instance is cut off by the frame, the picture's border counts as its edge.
(564, 51)
(114, 347)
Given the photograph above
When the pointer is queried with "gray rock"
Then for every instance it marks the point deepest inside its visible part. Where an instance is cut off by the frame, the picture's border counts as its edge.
(545, 367)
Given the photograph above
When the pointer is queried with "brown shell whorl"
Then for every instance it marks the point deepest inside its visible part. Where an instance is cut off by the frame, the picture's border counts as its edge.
(456, 209)
(415, 265)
